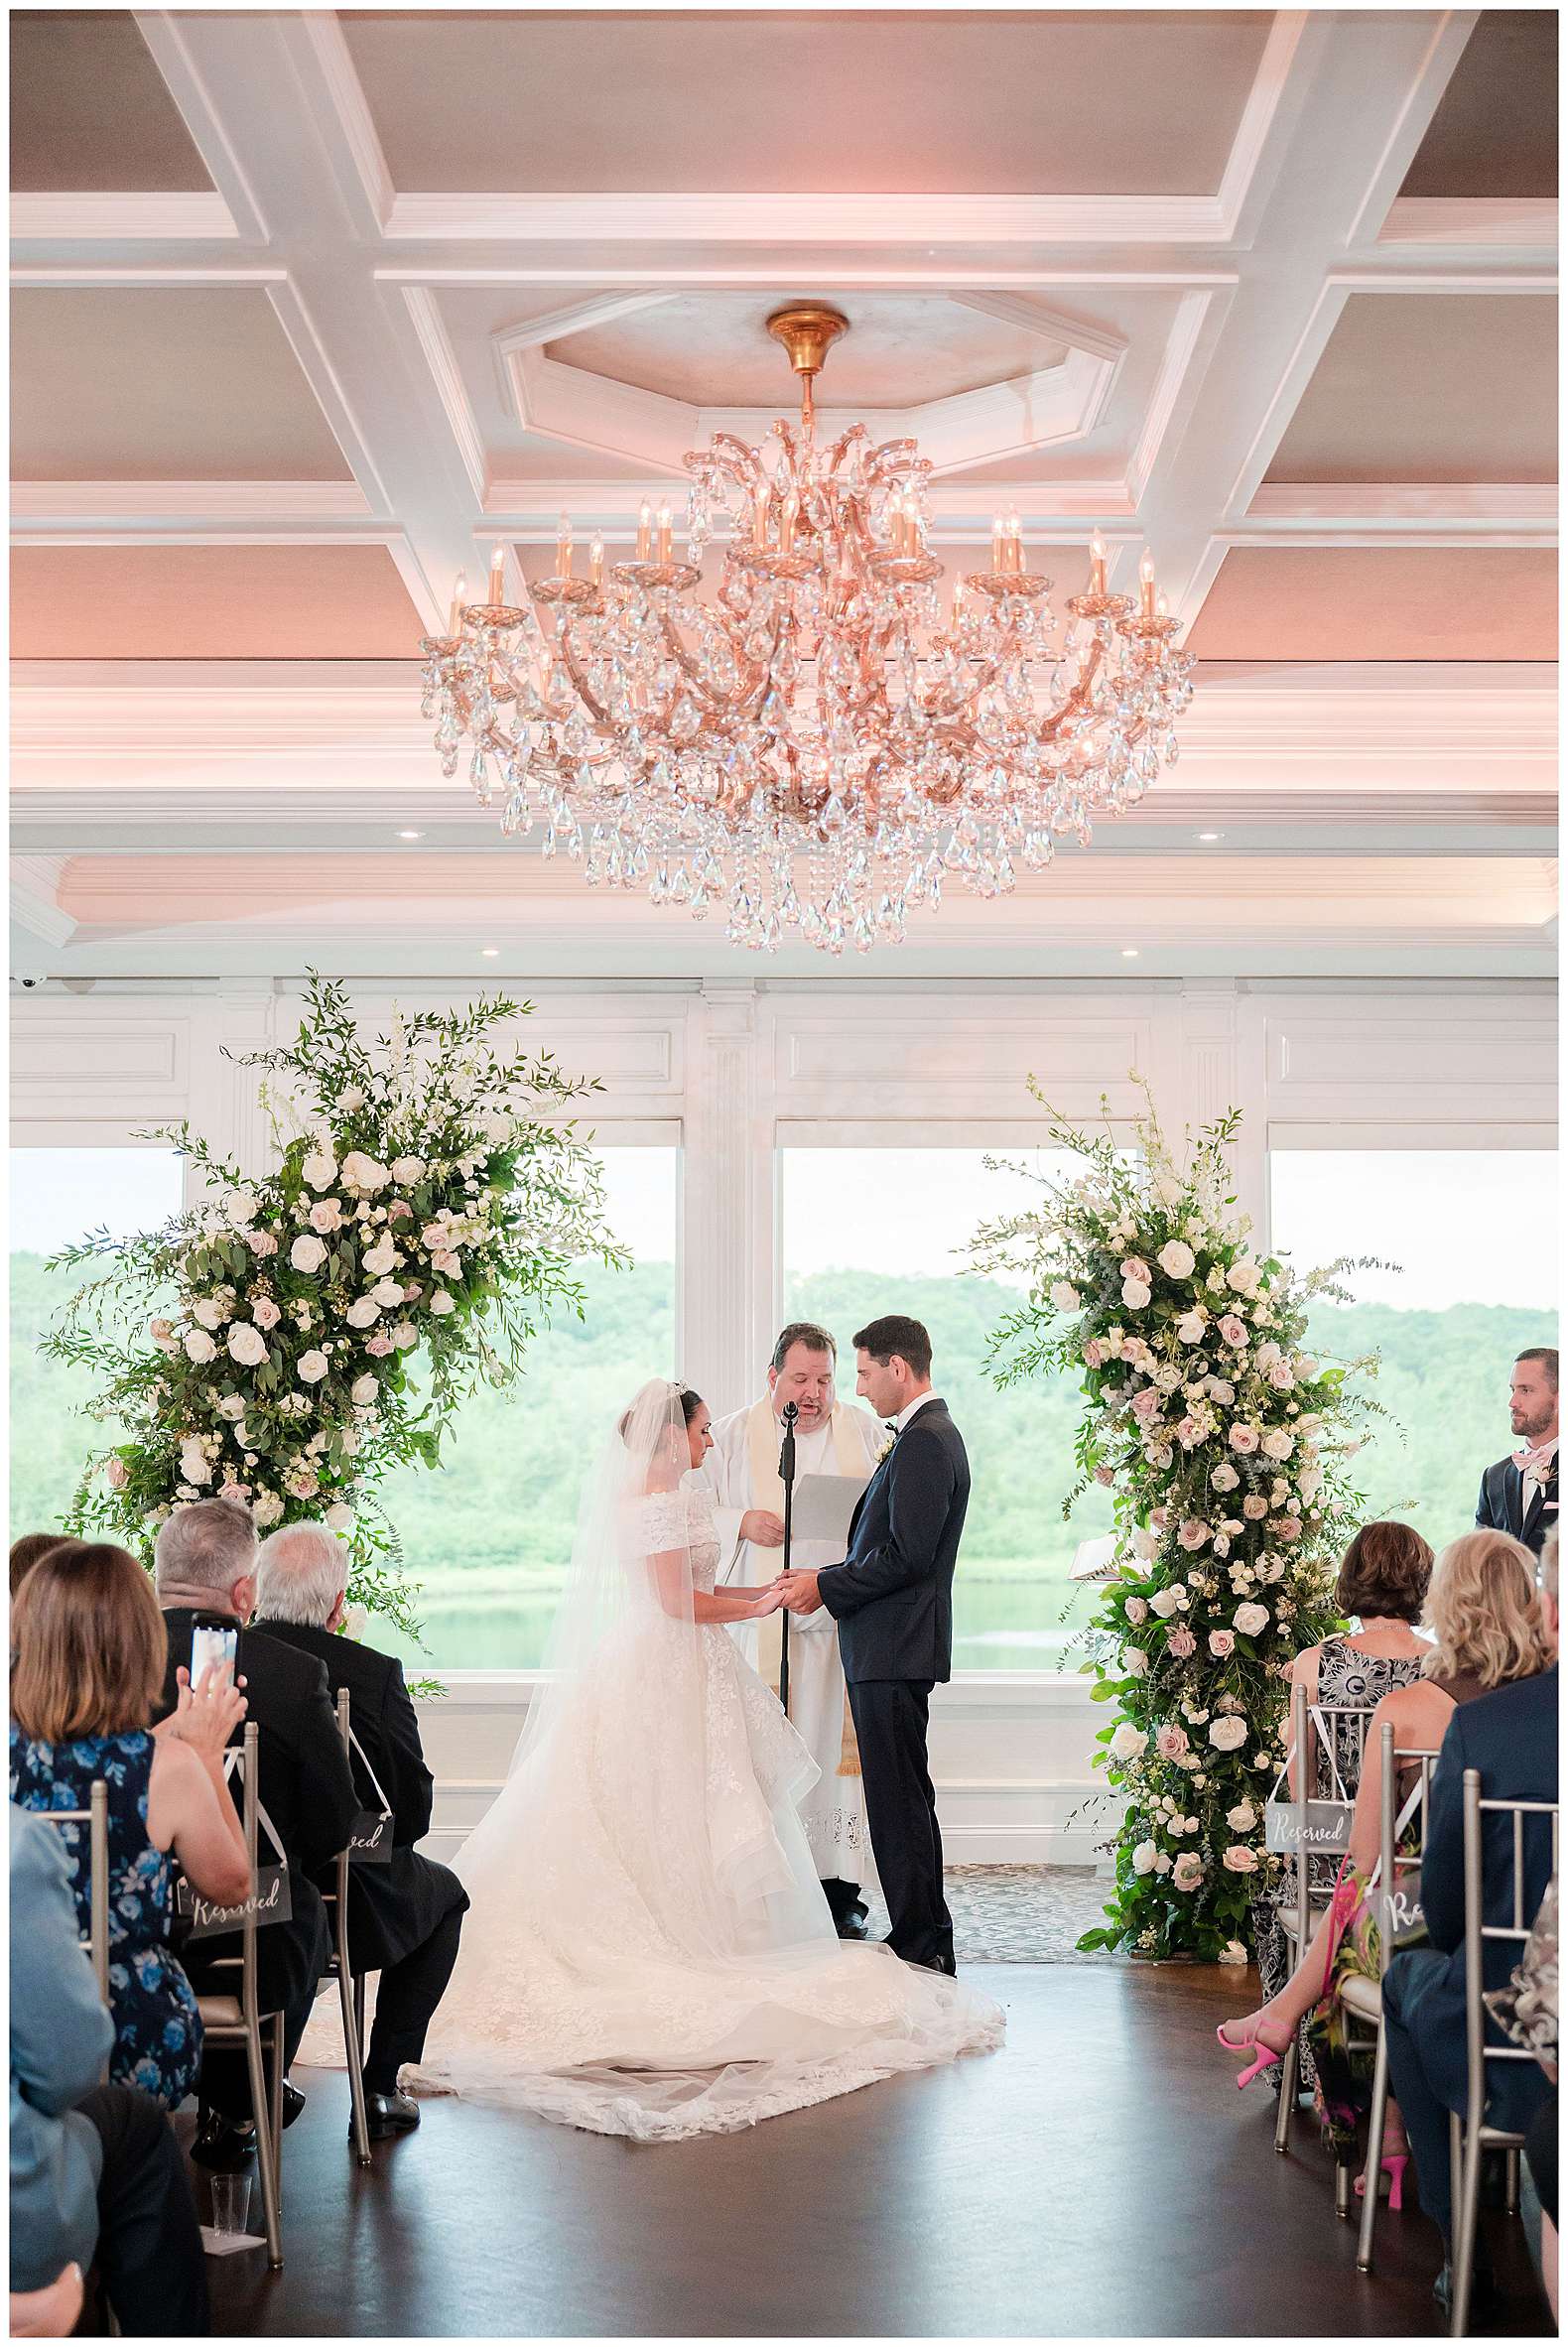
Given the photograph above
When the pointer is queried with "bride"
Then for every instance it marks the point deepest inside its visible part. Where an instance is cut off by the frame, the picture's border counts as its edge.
(648, 1952)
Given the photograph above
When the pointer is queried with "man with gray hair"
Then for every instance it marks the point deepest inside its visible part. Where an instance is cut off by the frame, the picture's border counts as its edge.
(205, 1564)
(403, 1917)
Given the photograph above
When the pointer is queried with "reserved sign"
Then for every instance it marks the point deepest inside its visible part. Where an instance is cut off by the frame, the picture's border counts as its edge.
(270, 1902)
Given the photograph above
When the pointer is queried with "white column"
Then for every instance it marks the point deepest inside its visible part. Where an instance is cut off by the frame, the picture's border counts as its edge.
(1211, 1082)
(727, 1216)
(225, 1099)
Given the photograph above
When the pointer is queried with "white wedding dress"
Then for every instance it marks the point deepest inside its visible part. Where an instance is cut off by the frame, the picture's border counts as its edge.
(648, 1952)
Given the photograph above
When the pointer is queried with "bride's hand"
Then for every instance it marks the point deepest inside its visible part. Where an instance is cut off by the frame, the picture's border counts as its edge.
(768, 1600)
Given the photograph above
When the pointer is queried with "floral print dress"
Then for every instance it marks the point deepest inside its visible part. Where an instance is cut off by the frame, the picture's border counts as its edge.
(157, 2025)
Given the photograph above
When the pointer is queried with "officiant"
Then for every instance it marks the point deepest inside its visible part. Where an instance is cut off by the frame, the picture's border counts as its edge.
(742, 1469)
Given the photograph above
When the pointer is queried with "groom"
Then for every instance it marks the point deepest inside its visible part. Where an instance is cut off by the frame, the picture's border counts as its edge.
(892, 1598)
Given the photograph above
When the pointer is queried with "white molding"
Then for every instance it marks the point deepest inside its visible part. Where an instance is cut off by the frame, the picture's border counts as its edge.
(1512, 227)
(1050, 510)
(187, 507)
(1451, 31)
(434, 342)
(816, 219)
(1178, 382)
(1282, 69)
(321, 372)
(135, 217)
(369, 187)
(1400, 514)
(166, 33)
(35, 898)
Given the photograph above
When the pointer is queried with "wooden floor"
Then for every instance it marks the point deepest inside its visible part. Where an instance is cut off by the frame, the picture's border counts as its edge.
(1100, 2177)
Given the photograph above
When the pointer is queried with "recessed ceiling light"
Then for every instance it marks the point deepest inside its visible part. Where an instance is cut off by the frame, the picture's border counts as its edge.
(1209, 835)
(1129, 953)
(411, 834)
(489, 952)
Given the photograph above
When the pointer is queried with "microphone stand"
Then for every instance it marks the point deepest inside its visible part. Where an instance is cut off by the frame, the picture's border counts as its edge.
(787, 1478)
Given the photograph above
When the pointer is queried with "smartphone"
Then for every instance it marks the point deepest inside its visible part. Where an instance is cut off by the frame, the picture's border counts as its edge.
(214, 1637)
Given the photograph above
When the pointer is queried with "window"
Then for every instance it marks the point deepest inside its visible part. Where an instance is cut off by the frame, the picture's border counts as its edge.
(489, 1531)
(873, 1231)
(60, 1196)
(1475, 1234)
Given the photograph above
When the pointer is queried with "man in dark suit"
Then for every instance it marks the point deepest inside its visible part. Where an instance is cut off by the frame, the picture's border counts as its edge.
(892, 1598)
(1519, 1493)
(403, 1917)
(1510, 1736)
(205, 1563)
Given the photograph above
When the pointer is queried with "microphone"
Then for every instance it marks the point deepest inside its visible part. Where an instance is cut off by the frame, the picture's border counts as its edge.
(787, 1448)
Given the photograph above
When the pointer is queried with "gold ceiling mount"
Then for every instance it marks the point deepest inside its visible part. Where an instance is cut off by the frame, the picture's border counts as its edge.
(808, 330)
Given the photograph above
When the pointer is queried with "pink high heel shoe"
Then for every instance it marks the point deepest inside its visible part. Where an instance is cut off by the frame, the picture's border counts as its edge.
(1392, 2166)
(1265, 2054)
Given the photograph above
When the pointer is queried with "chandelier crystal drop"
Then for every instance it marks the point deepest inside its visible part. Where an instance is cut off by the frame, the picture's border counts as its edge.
(818, 745)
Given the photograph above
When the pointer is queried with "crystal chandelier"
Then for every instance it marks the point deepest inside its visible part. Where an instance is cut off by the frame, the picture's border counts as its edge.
(818, 745)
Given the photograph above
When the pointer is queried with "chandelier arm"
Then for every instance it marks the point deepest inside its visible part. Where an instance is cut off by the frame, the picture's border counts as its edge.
(573, 669)
(734, 705)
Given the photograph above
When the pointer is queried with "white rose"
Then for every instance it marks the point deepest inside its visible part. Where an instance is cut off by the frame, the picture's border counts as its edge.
(247, 1345)
(362, 1172)
(325, 1215)
(199, 1347)
(1239, 1860)
(340, 1518)
(351, 1101)
(405, 1335)
(407, 1169)
(209, 1314)
(365, 1390)
(1227, 1734)
(1187, 1873)
(1136, 1294)
(1144, 1857)
(231, 1407)
(1225, 1476)
(1128, 1742)
(242, 1207)
(1165, 1603)
(363, 1312)
(319, 1169)
(1137, 1609)
(1242, 1277)
(312, 1367)
(1167, 1189)
(441, 1304)
(193, 1463)
(264, 1313)
(387, 1292)
(265, 1509)
(1241, 1818)
(378, 1258)
(1065, 1296)
(1134, 1661)
(1190, 1328)
(1278, 1444)
(1250, 1619)
(307, 1254)
(1176, 1259)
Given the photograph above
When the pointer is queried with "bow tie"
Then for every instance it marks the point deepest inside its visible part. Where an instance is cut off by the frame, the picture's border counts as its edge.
(1538, 1463)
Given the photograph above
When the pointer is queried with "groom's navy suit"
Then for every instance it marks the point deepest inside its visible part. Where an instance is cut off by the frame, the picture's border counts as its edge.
(892, 1598)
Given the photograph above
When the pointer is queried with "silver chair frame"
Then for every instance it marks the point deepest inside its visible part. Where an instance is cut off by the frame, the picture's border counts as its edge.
(350, 1988)
(252, 2025)
(1388, 1859)
(1299, 1925)
(95, 1817)
(1472, 2135)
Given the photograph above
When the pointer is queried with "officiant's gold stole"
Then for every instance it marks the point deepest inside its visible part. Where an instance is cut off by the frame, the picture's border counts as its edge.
(768, 1490)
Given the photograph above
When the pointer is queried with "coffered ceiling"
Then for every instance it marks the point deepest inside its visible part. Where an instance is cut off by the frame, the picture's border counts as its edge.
(309, 309)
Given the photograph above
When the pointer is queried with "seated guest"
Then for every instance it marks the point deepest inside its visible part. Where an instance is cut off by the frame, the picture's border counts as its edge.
(403, 1918)
(1526, 2011)
(95, 2170)
(1381, 1587)
(26, 1552)
(206, 1562)
(1519, 1493)
(1481, 1608)
(1510, 1736)
(91, 1658)
(49, 2313)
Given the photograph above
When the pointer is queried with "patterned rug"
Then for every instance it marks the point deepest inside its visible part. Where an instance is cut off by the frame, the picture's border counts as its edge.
(1021, 1915)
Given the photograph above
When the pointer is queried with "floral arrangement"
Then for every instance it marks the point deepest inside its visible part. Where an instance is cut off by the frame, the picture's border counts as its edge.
(268, 1345)
(1226, 1445)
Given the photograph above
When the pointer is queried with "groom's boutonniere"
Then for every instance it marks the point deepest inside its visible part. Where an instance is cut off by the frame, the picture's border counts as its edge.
(887, 1449)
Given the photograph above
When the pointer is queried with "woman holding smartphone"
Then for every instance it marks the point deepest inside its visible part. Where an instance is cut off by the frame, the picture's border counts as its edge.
(89, 1656)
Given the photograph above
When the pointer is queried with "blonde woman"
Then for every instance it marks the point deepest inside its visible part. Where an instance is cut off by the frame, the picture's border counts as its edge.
(1486, 1632)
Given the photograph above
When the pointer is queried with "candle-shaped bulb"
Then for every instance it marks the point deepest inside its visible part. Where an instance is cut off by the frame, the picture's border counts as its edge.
(1096, 547)
(644, 531)
(563, 547)
(498, 572)
(1147, 580)
(1162, 609)
(459, 595)
(1015, 541)
(597, 556)
(958, 596)
(760, 514)
(664, 533)
(997, 533)
(1096, 565)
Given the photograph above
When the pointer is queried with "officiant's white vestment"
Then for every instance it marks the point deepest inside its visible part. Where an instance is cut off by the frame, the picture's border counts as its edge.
(742, 1472)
